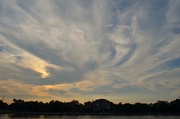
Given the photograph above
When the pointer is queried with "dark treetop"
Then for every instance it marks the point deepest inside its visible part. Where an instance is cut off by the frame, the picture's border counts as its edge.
(99, 106)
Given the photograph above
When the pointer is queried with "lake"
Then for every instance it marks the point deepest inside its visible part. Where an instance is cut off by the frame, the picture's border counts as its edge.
(6, 116)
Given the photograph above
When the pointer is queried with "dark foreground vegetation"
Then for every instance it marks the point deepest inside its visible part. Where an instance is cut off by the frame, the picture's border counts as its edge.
(99, 106)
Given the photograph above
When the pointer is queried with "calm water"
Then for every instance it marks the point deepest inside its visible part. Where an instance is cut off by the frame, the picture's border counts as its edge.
(6, 116)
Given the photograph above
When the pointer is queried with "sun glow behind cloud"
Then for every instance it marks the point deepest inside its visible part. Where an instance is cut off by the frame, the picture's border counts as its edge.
(121, 50)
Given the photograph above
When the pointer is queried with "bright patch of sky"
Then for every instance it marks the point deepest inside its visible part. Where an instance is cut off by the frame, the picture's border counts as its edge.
(121, 50)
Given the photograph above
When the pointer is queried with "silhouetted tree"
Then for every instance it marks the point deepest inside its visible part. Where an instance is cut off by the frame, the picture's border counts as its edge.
(3, 105)
(128, 108)
(118, 108)
(88, 107)
(175, 106)
(141, 108)
(102, 105)
(18, 105)
(99, 106)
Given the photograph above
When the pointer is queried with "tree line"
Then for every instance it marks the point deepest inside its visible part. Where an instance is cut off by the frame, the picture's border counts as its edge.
(99, 106)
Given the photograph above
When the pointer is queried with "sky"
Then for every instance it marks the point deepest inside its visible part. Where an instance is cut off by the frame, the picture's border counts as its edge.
(120, 50)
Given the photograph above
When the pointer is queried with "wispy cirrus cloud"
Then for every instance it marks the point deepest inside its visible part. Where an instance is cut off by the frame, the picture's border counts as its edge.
(92, 47)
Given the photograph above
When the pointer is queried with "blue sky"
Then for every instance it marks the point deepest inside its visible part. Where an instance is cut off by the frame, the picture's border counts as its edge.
(121, 50)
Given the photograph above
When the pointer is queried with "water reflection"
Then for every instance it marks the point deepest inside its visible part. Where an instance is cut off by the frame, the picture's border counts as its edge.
(15, 116)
